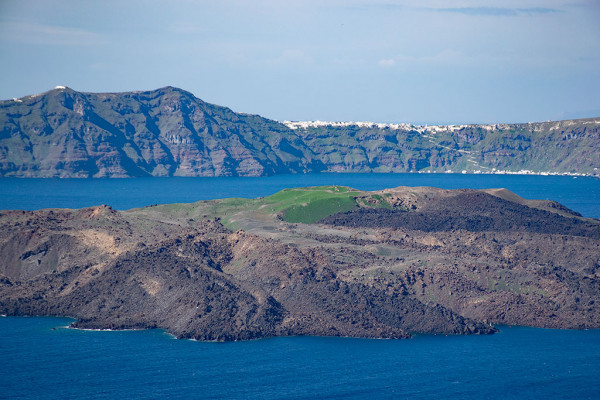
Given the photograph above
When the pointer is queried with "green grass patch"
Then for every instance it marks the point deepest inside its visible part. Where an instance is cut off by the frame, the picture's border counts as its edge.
(318, 209)
(308, 205)
(298, 205)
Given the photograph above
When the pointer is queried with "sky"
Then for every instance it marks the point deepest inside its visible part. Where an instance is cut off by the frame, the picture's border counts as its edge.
(421, 62)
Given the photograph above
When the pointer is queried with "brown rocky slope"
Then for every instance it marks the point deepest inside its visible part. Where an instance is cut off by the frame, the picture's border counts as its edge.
(177, 267)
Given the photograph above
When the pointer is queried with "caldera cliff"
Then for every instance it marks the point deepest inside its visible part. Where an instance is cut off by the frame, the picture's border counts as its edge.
(169, 132)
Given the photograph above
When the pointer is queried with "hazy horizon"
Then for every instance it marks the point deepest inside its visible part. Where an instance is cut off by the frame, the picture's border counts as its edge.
(421, 62)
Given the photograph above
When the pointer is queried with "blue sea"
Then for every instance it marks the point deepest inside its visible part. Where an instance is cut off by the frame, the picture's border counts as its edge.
(581, 194)
(41, 358)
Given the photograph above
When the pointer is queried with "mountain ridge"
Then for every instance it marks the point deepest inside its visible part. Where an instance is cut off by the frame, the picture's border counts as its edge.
(170, 132)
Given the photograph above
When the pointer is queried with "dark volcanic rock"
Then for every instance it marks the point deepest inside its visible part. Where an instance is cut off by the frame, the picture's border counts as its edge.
(202, 282)
(455, 263)
(470, 210)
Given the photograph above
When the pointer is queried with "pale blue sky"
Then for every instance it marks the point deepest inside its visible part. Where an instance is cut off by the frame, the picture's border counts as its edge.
(385, 61)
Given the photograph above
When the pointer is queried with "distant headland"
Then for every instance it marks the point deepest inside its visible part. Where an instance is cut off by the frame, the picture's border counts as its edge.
(170, 132)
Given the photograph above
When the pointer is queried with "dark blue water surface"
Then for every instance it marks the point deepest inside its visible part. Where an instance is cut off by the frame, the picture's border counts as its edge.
(582, 194)
(39, 360)
(525, 363)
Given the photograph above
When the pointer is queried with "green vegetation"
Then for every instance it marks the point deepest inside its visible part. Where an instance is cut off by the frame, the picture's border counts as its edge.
(298, 205)
(308, 205)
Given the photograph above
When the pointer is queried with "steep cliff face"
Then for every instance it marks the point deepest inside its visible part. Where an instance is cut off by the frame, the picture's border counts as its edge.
(165, 132)
(557, 147)
(169, 132)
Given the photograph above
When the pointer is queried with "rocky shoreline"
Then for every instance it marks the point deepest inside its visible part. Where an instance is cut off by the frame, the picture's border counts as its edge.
(425, 261)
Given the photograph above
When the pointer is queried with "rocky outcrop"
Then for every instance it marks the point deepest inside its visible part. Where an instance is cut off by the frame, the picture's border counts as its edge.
(169, 132)
(472, 211)
(441, 261)
(201, 282)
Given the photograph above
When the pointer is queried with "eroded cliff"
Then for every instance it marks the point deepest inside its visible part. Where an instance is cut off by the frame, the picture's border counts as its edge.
(170, 132)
